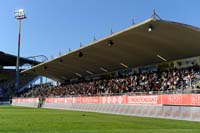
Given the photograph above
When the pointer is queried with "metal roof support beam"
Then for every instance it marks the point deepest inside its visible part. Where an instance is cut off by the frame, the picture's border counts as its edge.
(103, 69)
(78, 74)
(89, 72)
(124, 65)
(160, 57)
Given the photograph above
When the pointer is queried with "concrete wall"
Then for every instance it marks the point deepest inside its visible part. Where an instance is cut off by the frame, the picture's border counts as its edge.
(4, 102)
(25, 104)
(157, 111)
(167, 112)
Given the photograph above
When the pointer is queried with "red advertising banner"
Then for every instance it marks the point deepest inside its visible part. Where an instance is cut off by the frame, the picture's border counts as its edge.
(155, 99)
(195, 99)
(181, 99)
(24, 100)
(94, 100)
(171, 99)
(114, 100)
(59, 100)
(176, 99)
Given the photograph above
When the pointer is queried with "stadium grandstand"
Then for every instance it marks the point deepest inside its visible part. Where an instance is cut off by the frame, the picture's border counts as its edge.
(151, 42)
(7, 74)
(155, 62)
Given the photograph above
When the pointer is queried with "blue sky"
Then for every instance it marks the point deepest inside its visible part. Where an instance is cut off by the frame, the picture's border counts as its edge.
(54, 26)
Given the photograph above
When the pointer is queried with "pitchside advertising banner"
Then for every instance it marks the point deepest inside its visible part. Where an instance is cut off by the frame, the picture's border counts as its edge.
(173, 99)
(17, 100)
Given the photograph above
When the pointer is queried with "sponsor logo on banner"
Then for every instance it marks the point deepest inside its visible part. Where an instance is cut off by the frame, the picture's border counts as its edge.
(175, 98)
(104, 100)
(195, 99)
(108, 100)
(120, 100)
(142, 99)
(112, 100)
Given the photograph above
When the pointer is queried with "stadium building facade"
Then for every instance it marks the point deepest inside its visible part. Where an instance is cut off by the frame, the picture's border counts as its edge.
(8, 72)
(153, 45)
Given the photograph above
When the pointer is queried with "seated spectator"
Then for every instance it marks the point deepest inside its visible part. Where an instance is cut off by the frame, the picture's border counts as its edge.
(166, 82)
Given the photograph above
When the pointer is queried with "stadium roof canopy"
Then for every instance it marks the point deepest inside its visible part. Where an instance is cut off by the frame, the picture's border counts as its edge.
(10, 60)
(152, 41)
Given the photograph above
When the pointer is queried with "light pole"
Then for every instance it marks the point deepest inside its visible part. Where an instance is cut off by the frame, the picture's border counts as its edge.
(19, 15)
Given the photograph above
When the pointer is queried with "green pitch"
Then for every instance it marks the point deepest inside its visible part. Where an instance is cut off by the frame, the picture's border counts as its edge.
(29, 120)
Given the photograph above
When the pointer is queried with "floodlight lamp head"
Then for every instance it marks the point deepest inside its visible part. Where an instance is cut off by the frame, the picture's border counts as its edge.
(19, 14)
(150, 28)
(80, 54)
(110, 43)
(61, 61)
(45, 67)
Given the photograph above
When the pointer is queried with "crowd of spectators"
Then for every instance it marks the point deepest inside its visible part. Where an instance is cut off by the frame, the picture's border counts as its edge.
(148, 83)
(7, 85)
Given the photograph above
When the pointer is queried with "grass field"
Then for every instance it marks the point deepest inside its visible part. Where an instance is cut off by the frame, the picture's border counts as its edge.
(29, 120)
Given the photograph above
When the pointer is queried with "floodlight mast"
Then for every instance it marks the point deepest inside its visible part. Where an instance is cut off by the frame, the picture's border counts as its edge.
(19, 15)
